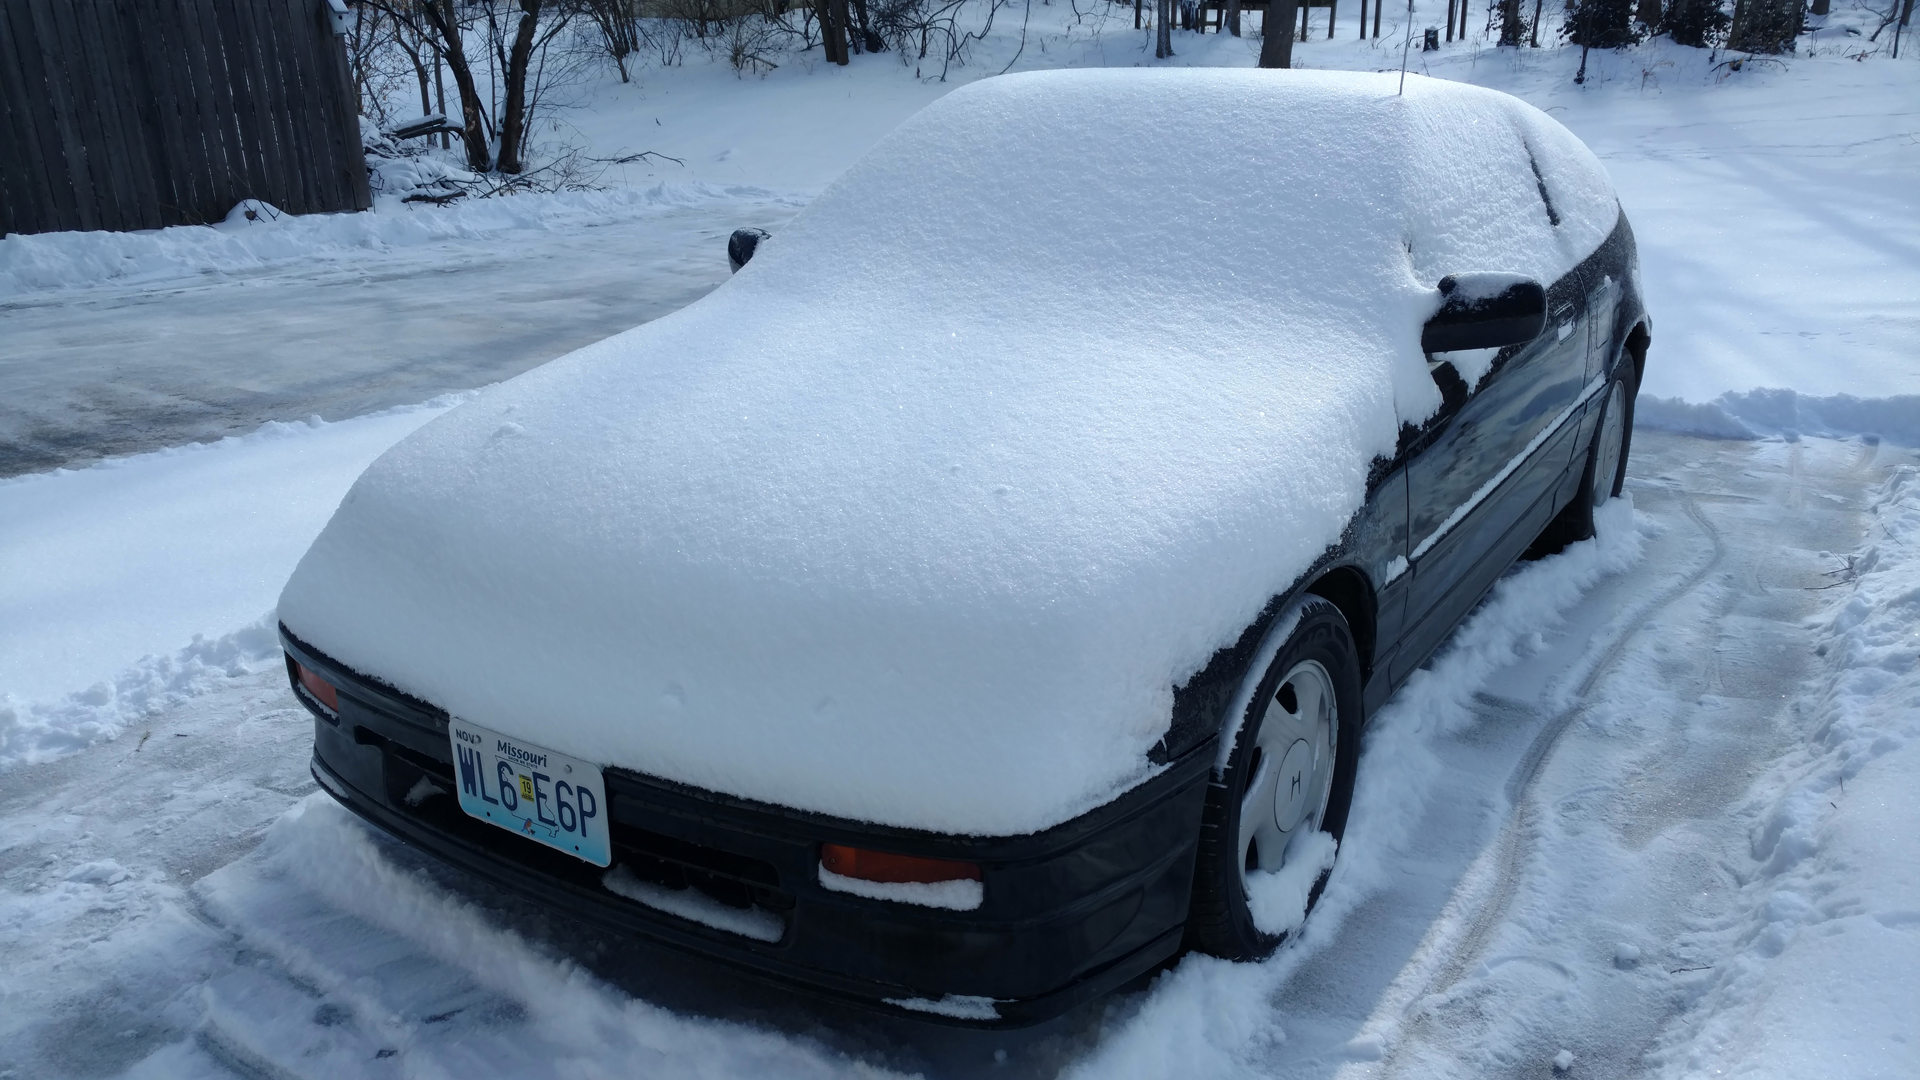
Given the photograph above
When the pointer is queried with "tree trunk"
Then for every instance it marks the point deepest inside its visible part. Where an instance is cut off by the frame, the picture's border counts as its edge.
(833, 29)
(1649, 13)
(1162, 29)
(1232, 18)
(1276, 34)
(439, 14)
(513, 122)
(873, 42)
(1766, 26)
(1510, 22)
(440, 89)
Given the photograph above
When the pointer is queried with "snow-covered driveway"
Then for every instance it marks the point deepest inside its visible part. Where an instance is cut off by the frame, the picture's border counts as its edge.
(1550, 853)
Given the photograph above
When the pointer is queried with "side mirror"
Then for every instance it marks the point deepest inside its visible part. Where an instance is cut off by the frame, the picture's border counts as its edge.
(741, 245)
(1486, 310)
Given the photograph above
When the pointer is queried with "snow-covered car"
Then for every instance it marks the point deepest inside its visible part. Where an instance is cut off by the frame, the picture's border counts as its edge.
(979, 598)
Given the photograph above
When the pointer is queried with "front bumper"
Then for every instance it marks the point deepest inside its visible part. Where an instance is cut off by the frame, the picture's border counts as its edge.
(1068, 915)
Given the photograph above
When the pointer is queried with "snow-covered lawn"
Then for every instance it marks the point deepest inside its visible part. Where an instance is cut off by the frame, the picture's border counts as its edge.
(1652, 811)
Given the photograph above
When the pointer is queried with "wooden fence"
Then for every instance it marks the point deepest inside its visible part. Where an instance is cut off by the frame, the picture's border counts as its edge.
(136, 114)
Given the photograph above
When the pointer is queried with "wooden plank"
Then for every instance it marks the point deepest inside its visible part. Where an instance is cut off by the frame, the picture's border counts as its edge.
(292, 48)
(92, 100)
(73, 148)
(333, 101)
(306, 103)
(150, 94)
(125, 120)
(339, 121)
(203, 141)
(231, 102)
(252, 68)
(166, 75)
(276, 146)
(346, 116)
(29, 145)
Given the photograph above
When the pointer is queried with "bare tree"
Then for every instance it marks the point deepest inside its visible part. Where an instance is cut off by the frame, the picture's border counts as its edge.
(619, 24)
(444, 26)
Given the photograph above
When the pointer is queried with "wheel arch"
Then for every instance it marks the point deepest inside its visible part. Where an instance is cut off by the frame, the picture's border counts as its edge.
(1348, 589)
(1635, 350)
(1201, 704)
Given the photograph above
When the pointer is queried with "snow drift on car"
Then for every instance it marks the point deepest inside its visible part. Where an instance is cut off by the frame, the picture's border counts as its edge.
(920, 519)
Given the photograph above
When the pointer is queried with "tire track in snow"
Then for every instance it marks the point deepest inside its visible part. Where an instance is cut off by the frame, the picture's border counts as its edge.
(1512, 846)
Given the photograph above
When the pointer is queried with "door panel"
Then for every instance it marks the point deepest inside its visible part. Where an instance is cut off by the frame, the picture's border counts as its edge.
(1475, 492)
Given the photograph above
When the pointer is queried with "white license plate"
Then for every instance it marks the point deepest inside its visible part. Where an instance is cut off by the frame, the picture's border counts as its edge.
(530, 790)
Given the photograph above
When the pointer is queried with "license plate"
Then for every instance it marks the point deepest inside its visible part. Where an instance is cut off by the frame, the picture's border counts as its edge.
(530, 790)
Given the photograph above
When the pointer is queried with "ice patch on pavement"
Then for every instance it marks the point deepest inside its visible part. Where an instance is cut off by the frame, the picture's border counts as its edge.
(31, 263)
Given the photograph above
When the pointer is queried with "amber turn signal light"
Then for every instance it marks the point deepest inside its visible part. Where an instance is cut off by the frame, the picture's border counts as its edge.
(884, 866)
(321, 689)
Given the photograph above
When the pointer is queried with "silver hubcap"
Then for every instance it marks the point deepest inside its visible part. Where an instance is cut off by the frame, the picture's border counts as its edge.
(1606, 463)
(1291, 767)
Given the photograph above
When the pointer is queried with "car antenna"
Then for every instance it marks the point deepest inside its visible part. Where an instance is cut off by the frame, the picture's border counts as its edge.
(1402, 92)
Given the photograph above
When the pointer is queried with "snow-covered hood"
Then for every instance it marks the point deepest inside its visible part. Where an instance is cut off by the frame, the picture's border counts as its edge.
(920, 518)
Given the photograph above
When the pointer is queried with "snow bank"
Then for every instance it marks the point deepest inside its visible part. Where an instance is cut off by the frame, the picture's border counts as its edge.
(1786, 413)
(38, 731)
(43, 261)
(922, 516)
(99, 565)
(1820, 969)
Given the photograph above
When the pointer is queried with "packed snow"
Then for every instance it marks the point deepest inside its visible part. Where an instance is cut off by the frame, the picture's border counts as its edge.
(896, 507)
(1669, 833)
(960, 895)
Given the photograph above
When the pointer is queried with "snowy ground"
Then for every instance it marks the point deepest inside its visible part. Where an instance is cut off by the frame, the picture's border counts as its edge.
(1652, 810)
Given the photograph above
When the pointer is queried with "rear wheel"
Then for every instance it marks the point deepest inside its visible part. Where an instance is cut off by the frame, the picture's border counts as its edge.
(1288, 780)
(1605, 473)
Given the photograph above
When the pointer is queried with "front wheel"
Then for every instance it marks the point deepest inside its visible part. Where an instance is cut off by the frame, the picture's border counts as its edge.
(1276, 811)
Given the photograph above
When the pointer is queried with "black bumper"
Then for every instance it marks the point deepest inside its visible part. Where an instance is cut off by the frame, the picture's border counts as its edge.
(1068, 914)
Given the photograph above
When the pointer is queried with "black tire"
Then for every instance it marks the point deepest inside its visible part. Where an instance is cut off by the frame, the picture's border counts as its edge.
(1574, 522)
(1218, 920)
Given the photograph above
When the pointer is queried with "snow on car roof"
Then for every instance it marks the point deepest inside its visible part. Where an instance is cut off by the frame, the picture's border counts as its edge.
(920, 518)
